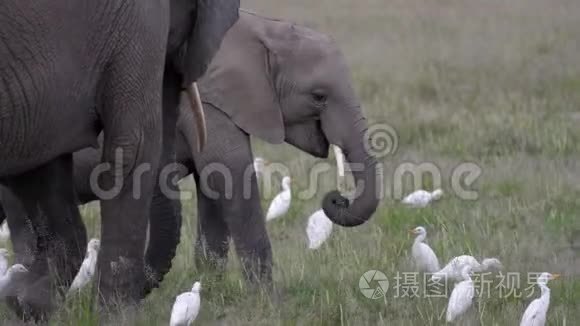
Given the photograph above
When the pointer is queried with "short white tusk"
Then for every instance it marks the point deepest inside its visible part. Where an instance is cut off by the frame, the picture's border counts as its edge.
(198, 114)
(339, 156)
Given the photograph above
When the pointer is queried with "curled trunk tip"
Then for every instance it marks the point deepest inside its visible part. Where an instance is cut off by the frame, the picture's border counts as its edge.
(338, 208)
(335, 206)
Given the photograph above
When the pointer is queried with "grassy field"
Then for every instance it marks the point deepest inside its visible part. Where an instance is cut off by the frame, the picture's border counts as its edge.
(492, 82)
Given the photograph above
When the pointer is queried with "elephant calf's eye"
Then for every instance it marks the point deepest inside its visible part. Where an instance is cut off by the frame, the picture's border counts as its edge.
(319, 98)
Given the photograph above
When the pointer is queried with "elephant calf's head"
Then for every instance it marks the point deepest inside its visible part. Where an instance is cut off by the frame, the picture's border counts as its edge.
(287, 83)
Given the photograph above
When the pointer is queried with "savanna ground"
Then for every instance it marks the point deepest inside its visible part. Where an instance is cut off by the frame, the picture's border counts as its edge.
(495, 83)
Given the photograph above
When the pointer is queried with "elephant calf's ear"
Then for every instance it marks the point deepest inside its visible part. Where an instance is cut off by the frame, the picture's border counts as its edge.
(213, 18)
(239, 83)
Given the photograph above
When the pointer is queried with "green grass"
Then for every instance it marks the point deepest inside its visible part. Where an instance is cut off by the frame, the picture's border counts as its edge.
(496, 83)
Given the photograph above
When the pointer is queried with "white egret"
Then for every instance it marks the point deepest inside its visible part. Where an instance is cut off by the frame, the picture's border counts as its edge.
(281, 203)
(4, 254)
(422, 198)
(87, 270)
(4, 231)
(3, 261)
(7, 280)
(186, 307)
(318, 229)
(461, 297)
(425, 258)
(452, 271)
(535, 314)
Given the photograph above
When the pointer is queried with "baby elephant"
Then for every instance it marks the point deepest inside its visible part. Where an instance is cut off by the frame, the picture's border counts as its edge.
(270, 79)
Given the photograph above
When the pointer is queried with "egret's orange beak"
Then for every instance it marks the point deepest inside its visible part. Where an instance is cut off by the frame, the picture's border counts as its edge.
(555, 276)
(412, 231)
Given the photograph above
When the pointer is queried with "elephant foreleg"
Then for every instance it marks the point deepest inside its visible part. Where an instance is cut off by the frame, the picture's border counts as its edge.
(130, 111)
(213, 235)
(246, 223)
(21, 232)
(21, 235)
(48, 197)
(230, 204)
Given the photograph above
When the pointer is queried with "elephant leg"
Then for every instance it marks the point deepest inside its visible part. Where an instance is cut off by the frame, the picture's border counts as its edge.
(21, 235)
(21, 232)
(165, 213)
(246, 223)
(232, 197)
(125, 211)
(213, 235)
(48, 197)
(130, 110)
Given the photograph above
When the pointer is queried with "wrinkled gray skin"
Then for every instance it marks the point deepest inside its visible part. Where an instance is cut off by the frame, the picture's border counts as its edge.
(69, 70)
(284, 83)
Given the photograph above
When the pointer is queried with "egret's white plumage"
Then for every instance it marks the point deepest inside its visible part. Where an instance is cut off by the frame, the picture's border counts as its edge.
(186, 307)
(318, 229)
(3, 261)
(425, 258)
(452, 271)
(87, 270)
(6, 280)
(461, 296)
(535, 314)
(422, 198)
(281, 203)
(4, 231)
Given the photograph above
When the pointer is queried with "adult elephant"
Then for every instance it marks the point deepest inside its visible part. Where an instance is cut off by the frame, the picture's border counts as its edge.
(282, 83)
(69, 70)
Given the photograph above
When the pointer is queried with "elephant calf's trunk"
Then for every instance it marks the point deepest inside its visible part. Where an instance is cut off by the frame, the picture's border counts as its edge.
(198, 114)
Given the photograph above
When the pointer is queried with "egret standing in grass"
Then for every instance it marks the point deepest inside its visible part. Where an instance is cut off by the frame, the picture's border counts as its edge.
(281, 203)
(87, 270)
(461, 297)
(318, 229)
(535, 314)
(186, 307)
(452, 271)
(422, 198)
(7, 281)
(4, 254)
(425, 258)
